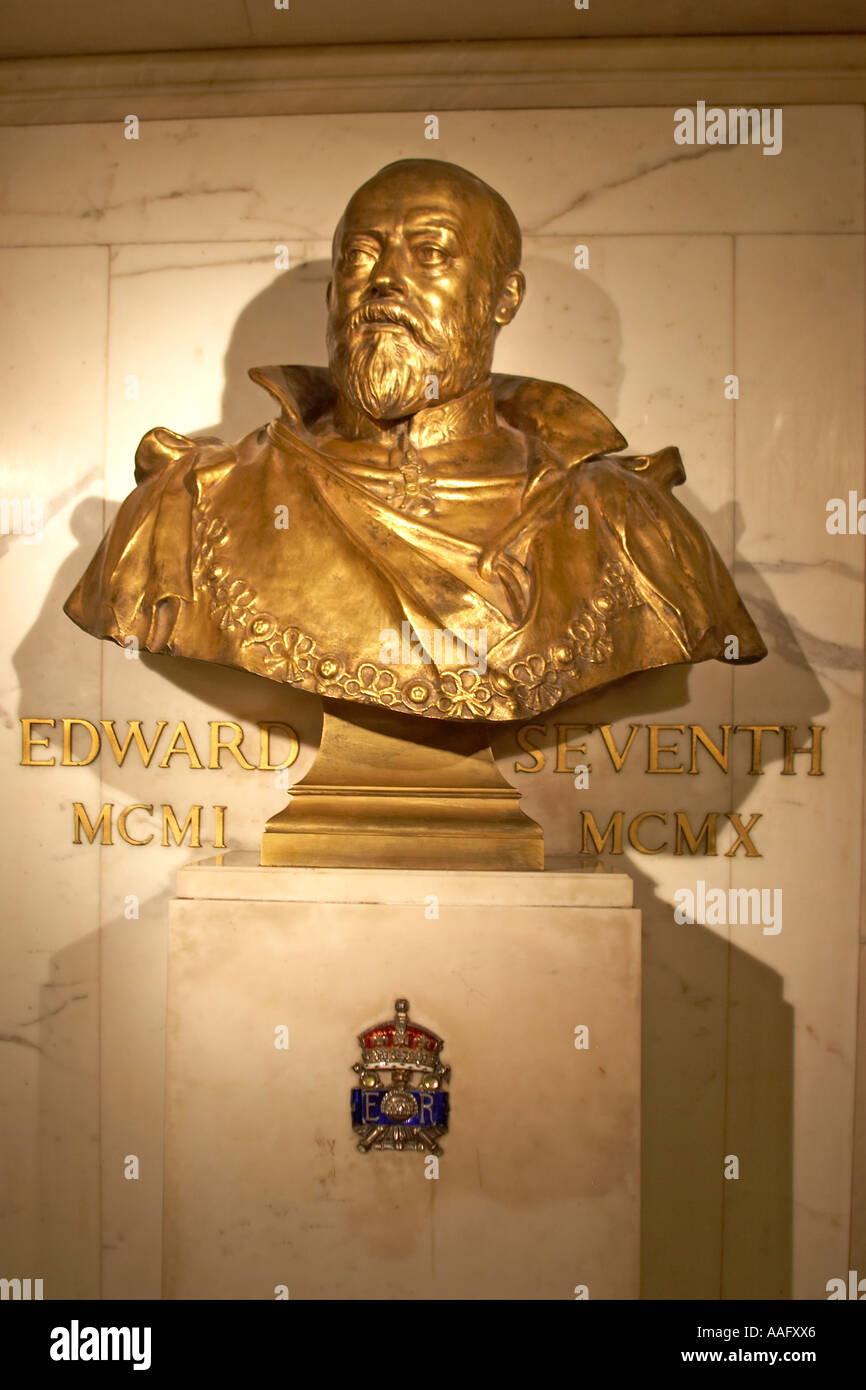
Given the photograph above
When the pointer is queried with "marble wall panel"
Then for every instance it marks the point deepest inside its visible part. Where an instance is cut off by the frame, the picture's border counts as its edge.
(800, 442)
(601, 171)
(54, 303)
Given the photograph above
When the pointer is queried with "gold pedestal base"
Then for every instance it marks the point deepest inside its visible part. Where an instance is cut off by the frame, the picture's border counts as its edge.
(391, 792)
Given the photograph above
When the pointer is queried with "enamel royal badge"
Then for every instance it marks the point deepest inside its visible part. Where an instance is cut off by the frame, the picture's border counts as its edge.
(409, 1111)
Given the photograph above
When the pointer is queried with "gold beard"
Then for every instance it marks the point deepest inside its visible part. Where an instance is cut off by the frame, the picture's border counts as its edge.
(385, 374)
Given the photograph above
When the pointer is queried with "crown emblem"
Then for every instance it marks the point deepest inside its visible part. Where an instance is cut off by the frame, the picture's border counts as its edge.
(409, 1111)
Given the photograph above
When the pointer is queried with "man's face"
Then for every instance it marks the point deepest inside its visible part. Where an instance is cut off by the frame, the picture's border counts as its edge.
(414, 294)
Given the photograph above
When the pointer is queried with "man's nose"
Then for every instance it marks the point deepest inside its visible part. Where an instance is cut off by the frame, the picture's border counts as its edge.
(388, 277)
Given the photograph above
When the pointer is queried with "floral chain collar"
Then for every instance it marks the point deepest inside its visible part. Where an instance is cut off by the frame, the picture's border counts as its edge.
(530, 685)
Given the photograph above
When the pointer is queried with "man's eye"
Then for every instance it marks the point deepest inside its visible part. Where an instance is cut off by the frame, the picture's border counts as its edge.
(430, 254)
(358, 255)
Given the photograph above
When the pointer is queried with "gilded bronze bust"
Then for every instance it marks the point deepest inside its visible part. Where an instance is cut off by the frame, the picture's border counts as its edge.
(410, 531)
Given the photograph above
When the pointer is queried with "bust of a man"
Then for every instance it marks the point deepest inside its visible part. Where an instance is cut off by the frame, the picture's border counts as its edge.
(410, 531)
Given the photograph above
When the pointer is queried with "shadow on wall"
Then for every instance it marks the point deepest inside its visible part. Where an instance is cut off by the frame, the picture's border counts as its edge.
(708, 1088)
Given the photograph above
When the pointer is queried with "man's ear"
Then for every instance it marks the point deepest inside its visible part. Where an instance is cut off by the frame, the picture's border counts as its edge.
(511, 298)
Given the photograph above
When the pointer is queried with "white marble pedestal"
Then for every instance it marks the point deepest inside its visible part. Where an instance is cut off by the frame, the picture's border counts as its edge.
(538, 1185)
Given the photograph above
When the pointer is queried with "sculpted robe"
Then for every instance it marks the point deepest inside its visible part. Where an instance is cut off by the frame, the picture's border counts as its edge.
(449, 570)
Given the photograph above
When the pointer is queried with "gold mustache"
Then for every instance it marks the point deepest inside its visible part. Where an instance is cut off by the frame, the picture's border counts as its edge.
(390, 313)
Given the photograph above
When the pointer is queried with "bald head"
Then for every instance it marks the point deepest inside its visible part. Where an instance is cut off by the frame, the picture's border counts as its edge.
(487, 209)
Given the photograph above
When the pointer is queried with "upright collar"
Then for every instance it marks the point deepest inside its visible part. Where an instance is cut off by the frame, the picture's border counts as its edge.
(567, 422)
(471, 414)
